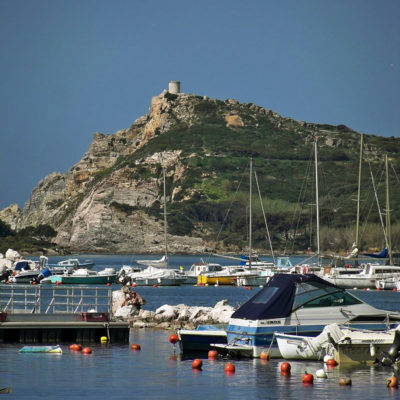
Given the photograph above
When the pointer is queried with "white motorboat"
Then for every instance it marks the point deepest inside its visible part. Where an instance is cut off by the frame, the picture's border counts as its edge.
(344, 345)
(366, 278)
(151, 276)
(73, 263)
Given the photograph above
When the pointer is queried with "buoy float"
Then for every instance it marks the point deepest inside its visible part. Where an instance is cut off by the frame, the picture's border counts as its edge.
(285, 367)
(394, 289)
(108, 284)
(229, 368)
(86, 350)
(103, 339)
(197, 363)
(75, 347)
(346, 381)
(34, 283)
(58, 283)
(133, 284)
(155, 285)
(135, 346)
(173, 338)
(212, 353)
(331, 362)
(378, 288)
(307, 378)
(392, 382)
(264, 356)
(320, 373)
(248, 287)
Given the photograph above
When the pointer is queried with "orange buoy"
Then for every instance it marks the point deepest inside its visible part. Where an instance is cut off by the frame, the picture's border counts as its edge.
(197, 363)
(34, 283)
(135, 346)
(285, 367)
(264, 356)
(108, 284)
(394, 289)
(173, 338)
(75, 347)
(378, 288)
(392, 382)
(331, 362)
(229, 368)
(72, 347)
(58, 283)
(133, 284)
(86, 350)
(307, 378)
(248, 287)
(155, 285)
(212, 353)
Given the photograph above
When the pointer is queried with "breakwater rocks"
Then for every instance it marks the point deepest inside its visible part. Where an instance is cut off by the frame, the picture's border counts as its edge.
(173, 316)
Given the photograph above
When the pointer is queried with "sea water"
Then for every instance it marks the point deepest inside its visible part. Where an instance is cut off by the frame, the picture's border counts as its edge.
(158, 371)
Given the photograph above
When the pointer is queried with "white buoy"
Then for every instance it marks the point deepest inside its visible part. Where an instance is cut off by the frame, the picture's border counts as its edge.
(321, 374)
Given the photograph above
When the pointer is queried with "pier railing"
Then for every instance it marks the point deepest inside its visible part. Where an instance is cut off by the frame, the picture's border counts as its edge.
(54, 299)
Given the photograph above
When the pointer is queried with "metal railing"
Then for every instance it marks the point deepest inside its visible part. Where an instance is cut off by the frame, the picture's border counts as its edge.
(54, 299)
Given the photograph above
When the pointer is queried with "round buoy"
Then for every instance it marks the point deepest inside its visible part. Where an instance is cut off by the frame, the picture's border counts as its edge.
(75, 347)
(307, 378)
(378, 288)
(320, 373)
(155, 285)
(173, 338)
(34, 283)
(392, 382)
(346, 381)
(264, 356)
(229, 368)
(331, 362)
(58, 283)
(103, 339)
(72, 347)
(212, 353)
(197, 363)
(108, 284)
(133, 285)
(86, 350)
(135, 346)
(285, 367)
(248, 287)
(394, 289)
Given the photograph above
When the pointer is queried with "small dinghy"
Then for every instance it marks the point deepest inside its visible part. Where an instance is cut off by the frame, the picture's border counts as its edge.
(6, 390)
(41, 349)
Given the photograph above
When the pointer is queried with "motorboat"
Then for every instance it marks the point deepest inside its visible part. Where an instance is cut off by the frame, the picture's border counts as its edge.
(198, 340)
(200, 268)
(74, 263)
(298, 304)
(151, 276)
(83, 276)
(25, 271)
(342, 344)
(367, 278)
(391, 283)
(158, 263)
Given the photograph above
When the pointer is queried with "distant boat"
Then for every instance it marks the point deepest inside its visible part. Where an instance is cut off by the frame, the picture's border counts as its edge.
(41, 349)
(84, 276)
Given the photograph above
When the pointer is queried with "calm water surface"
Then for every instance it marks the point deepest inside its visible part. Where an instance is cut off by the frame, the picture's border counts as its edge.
(155, 372)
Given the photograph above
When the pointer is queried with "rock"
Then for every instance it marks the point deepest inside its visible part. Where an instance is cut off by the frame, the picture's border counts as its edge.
(13, 255)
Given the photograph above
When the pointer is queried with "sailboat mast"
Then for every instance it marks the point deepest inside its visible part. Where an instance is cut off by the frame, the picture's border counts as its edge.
(165, 217)
(388, 234)
(250, 210)
(359, 193)
(317, 198)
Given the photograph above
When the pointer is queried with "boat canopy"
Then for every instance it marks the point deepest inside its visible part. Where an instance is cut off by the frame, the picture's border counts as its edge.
(383, 254)
(285, 293)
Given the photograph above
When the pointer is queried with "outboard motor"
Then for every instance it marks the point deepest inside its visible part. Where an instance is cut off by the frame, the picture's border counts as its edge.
(44, 274)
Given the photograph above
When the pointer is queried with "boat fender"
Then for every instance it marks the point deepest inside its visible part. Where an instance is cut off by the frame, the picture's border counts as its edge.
(320, 373)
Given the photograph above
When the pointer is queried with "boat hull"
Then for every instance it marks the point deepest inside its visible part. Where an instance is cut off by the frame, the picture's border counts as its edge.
(83, 280)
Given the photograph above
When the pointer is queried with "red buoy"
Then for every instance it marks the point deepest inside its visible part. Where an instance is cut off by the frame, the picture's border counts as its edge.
(133, 284)
(108, 284)
(75, 347)
(331, 362)
(58, 283)
(135, 346)
(212, 353)
(155, 285)
(173, 338)
(307, 378)
(229, 368)
(285, 367)
(394, 289)
(197, 363)
(86, 350)
(264, 356)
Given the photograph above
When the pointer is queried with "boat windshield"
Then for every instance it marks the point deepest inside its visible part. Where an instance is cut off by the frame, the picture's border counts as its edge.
(318, 295)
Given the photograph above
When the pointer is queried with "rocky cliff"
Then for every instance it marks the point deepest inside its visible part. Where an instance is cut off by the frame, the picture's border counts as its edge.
(110, 201)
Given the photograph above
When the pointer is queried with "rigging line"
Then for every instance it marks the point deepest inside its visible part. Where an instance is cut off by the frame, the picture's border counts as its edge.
(395, 173)
(300, 200)
(265, 219)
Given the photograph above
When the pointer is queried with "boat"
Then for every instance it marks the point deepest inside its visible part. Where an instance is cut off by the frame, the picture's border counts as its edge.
(73, 263)
(198, 340)
(25, 271)
(41, 349)
(83, 276)
(151, 276)
(366, 279)
(200, 268)
(344, 345)
(298, 304)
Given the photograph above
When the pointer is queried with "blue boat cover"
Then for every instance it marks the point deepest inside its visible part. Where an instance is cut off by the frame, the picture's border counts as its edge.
(383, 254)
(21, 265)
(276, 299)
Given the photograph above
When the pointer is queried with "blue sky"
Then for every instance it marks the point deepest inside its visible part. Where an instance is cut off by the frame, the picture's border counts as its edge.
(72, 68)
